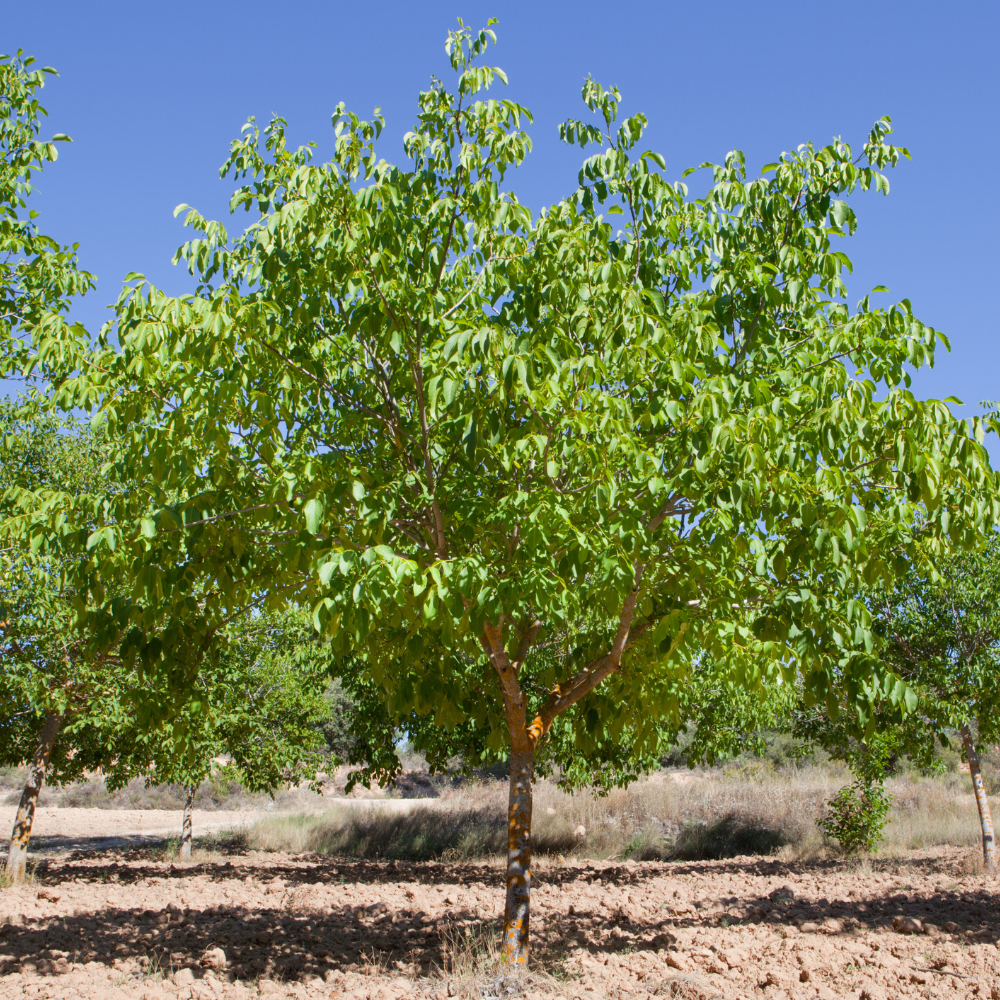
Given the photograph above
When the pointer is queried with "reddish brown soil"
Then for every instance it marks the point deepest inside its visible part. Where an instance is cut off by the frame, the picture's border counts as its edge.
(108, 926)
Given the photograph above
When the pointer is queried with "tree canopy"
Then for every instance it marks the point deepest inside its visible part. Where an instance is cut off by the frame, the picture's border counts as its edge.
(940, 626)
(38, 276)
(46, 668)
(261, 705)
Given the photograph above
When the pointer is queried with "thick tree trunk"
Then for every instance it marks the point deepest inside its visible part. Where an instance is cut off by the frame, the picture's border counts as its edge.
(516, 912)
(186, 822)
(17, 856)
(985, 820)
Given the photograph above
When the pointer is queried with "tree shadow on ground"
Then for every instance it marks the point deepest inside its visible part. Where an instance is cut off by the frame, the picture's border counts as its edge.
(298, 940)
(269, 943)
(57, 845)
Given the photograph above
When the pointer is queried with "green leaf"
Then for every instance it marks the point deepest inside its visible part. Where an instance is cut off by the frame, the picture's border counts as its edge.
(314, 513)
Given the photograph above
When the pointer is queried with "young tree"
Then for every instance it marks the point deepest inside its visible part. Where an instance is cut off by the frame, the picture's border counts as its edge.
(940, 629)
(858, 812)
(54, 698)
(527, 472)
(262, 705)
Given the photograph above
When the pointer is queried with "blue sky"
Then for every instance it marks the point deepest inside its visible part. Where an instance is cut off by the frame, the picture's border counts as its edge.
(152, 94)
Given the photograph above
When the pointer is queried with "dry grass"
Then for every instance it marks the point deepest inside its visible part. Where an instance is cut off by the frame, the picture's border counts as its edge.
(6, 880)
(473, 828)
(737, 811)
(687, 815)
(222, 791)
(927, 812)
(474, 968)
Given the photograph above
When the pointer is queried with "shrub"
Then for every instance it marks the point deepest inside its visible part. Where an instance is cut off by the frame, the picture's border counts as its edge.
(856, 816)
(337, 727)
(418, 835)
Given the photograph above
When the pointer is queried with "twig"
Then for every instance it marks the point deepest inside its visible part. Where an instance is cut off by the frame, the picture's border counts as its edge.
(942, 972)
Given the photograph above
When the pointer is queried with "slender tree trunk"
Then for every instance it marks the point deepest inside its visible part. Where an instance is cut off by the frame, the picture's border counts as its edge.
(516, 911)
(985, 820)
(186, 822)
(17, 857)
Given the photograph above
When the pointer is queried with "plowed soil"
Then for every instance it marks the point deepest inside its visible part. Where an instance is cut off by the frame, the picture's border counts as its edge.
(125, 925)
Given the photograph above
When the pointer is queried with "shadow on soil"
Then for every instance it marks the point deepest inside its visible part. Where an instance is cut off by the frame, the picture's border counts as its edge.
(290, 939)
(64, 845)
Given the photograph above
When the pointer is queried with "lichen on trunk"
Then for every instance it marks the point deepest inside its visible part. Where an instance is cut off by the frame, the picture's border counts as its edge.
(517, 908)
(982, 803)
(17, 855)
(186, 823)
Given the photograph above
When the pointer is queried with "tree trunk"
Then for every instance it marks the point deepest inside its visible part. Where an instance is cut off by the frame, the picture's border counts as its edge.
(523, 740)
(516, 911)
(17, 857)
(985, 820)
(186, 822)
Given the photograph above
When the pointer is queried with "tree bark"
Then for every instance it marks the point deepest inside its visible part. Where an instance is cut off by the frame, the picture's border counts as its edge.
(185, 851)
(985, 820)
(17, 856)
(516, 911)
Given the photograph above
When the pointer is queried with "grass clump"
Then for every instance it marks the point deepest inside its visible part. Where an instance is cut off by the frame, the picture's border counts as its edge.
(7, 880)
(727, 837)
(474, 967)
(420, 834)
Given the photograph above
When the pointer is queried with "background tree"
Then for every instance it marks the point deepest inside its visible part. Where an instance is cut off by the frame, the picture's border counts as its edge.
(940, 626)
(857, 815)
(340, 727)
(722, 719)
(55, 679)
(937, 626)
(525, 471)
(38, 277)
(262, 705)
(54, 696)
(66, 713)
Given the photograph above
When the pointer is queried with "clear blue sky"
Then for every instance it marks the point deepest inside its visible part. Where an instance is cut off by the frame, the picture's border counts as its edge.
(152, 93)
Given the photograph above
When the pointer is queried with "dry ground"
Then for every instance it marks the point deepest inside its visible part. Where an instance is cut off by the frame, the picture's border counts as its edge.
(128, 926)
(120, 921)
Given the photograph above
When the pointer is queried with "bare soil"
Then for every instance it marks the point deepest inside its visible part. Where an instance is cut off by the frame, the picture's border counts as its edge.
(126, 925)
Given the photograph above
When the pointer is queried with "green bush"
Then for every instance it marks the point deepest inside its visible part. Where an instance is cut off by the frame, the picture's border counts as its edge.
(220, 787)
(338, 728)
(857, 815)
